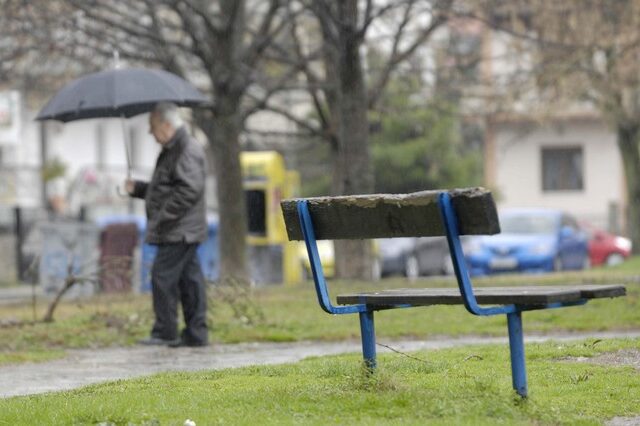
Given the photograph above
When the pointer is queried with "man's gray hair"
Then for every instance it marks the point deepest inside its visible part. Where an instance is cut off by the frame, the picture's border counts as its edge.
(169, 113)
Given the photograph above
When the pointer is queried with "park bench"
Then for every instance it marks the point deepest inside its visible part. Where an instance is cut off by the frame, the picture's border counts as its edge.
(450, 213)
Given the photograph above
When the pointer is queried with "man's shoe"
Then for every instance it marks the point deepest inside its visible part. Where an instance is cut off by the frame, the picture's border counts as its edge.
(184, 344)
(157, 341)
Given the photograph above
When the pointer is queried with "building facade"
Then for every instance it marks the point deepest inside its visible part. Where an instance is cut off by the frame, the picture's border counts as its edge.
(567, 162)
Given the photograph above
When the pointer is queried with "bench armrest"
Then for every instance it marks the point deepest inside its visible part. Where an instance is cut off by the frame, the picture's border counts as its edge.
(319, 280)
(450, 222)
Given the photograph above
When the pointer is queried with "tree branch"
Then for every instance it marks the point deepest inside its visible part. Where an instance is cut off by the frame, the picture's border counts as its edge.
(305, 124)
(397, 55)
(264, 36)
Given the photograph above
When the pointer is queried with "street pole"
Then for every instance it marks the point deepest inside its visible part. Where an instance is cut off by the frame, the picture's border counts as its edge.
(43, 161)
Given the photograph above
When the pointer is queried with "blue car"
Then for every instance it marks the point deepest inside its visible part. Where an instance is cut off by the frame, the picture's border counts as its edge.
(531, 241)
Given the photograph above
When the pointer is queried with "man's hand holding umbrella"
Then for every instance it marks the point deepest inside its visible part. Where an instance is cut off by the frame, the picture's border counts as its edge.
(129, 185)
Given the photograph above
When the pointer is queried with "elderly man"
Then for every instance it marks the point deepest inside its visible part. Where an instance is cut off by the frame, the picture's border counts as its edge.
(176, 223)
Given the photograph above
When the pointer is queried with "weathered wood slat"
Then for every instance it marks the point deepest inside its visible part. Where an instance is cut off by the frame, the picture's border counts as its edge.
(525, 295)
(393, 215)
(598, 291)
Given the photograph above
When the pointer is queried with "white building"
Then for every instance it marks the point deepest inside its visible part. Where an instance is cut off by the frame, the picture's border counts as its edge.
(91, 151)
(93, 154)
(556, 154)
(570, 163)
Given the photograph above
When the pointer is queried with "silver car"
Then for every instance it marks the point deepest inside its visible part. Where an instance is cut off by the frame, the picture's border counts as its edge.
(414, 257)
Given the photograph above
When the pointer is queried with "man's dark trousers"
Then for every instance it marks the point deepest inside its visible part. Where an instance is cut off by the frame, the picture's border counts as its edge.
(176, 273)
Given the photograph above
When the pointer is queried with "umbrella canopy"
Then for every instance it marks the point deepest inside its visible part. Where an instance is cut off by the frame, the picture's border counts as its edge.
(119, 92)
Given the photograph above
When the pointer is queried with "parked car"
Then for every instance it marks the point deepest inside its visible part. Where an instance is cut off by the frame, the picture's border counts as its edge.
(394, 253)
(414, 257)
(532, 240)
(606, 248)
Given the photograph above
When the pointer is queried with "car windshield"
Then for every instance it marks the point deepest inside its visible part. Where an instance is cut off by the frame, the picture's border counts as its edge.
(527, 223)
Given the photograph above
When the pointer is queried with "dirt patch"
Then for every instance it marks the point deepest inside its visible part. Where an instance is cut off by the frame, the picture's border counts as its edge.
(623, 357)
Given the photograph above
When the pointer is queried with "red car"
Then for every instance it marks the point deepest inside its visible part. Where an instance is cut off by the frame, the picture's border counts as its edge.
(606, 248)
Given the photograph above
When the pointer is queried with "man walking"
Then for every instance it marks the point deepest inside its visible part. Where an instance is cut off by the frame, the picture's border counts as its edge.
(176, 223)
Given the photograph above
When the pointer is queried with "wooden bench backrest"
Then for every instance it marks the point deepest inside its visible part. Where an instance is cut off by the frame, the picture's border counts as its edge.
(393, 215)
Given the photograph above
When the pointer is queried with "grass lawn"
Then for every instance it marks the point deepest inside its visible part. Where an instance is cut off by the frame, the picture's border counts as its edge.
(292, 314)
(467, 385)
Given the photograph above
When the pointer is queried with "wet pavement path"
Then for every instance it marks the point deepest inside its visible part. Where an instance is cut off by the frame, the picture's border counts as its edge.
(88, 366)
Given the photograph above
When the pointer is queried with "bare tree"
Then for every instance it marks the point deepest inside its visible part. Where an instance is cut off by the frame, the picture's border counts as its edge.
(218, 45)
(221, 46)
(70, 280)
(342, 91)
(33, 50)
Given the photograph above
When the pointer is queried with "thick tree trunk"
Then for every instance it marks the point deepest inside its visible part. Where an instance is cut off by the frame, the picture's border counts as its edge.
(628, 139)
(223, 132)
(353, 173)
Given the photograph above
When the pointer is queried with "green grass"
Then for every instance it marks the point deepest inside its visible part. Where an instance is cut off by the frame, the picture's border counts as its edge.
(292, 314)
(30, 356)
(467, 385)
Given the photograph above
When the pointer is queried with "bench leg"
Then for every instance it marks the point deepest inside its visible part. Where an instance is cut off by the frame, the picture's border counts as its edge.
(516, 347)
(368, 334)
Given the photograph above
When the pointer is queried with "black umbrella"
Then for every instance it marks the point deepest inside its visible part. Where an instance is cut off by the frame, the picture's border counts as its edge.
(119, 92)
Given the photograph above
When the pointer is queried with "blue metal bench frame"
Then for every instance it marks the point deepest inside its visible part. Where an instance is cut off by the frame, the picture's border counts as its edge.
(367, 326)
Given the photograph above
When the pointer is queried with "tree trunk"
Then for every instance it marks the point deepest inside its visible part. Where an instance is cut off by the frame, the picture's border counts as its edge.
(628, 138)
(353, 174)
(223, 131)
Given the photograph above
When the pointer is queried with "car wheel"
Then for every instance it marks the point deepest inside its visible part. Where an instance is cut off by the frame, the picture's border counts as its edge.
(411, 268)
(447, 266)
(614, 259)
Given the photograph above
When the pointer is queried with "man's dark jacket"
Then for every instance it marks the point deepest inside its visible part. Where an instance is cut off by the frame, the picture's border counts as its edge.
(175, 203)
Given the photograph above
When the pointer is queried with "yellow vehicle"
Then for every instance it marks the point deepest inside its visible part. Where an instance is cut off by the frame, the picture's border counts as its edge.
(326, 253)
(272, 258)
(325, 250)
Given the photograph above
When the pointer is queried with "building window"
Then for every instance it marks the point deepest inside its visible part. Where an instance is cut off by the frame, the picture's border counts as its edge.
(562, 169)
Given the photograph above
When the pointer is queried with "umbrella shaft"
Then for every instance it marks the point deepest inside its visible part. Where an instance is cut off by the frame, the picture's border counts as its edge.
(126, 146)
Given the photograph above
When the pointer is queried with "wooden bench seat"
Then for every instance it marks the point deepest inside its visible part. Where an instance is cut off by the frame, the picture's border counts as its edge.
(450, 213)
(521, 295)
